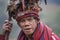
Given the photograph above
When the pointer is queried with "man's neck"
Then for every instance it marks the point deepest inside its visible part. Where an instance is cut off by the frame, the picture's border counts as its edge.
(29, 37)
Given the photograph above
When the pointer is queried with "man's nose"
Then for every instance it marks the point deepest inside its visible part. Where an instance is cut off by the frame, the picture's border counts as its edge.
(26, 22)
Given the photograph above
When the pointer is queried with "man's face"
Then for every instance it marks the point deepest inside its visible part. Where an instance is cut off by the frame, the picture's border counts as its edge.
(28, 25)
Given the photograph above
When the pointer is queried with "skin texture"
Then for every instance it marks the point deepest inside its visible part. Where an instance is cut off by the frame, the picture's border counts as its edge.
(28, 25)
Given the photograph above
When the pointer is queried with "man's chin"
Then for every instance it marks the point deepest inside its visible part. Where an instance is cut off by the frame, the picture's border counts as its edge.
(28, 33)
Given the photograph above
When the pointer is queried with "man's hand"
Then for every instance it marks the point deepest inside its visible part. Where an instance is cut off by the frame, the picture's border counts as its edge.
(7, 26)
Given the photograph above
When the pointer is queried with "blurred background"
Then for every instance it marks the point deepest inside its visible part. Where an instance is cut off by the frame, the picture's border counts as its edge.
(50, 15)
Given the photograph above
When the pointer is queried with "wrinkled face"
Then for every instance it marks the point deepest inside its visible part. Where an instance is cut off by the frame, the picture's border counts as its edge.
(28, 25)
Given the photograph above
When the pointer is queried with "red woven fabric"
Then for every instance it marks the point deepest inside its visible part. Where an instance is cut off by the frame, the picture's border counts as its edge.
(2, 37)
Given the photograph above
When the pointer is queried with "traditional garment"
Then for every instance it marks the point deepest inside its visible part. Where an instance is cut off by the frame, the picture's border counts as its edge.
(2, 37)
(42, 32)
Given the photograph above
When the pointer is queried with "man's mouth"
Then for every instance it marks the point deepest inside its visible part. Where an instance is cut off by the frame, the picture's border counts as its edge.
(27, 28)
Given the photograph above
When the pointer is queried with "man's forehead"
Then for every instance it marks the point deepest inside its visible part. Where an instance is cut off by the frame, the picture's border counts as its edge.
(30, 17)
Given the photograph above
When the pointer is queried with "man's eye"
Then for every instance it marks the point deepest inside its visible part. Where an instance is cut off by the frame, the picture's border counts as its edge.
(22, 20)
(29, 19)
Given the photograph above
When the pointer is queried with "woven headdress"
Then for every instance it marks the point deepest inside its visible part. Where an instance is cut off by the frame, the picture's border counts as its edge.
(23, 8)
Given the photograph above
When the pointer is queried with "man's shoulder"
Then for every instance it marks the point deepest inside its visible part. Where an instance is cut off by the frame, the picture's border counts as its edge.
(54, 36)
(50, 33)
